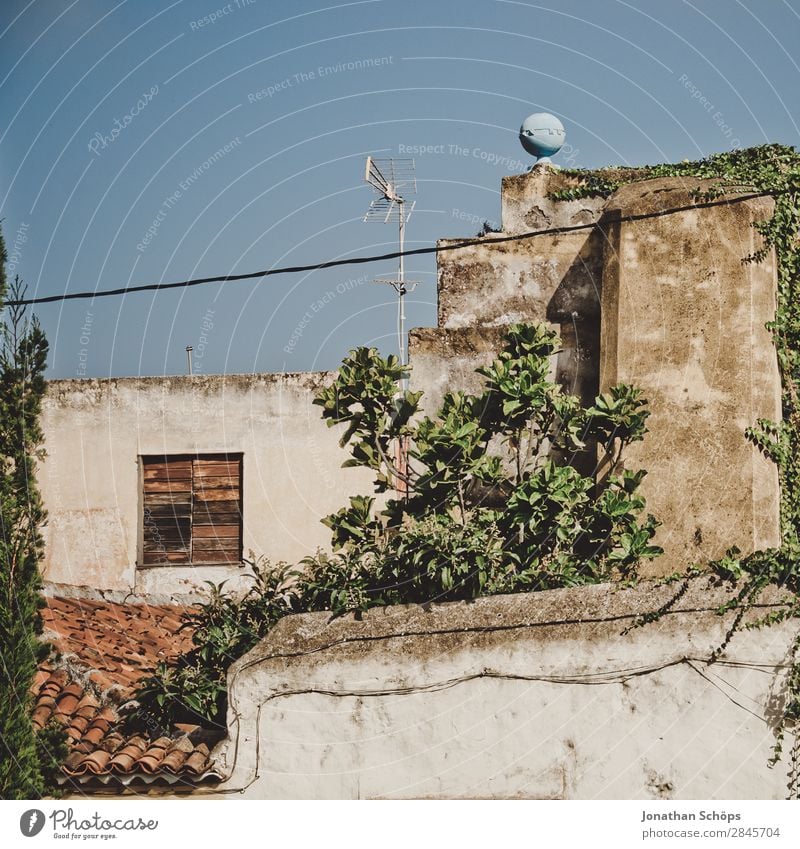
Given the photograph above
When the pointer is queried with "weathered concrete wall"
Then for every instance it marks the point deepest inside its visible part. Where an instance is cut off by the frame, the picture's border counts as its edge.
(683, 318)
(95, 431)
(444, 360)
(664, 302)
(540, 696)
(526, 205)
(498, 283)
(483, 288)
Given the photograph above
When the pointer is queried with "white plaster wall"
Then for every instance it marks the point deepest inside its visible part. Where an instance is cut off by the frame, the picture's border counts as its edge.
(95, 431)
(541, 696)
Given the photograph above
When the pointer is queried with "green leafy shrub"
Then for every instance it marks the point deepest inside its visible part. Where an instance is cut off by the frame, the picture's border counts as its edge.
(193, 688)
(487, 509)
(52, 749)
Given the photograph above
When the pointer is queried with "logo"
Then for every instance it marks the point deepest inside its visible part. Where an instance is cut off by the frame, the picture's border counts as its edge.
(31, 822)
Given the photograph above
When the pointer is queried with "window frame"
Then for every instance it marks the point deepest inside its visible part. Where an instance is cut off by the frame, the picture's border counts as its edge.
(222, 457)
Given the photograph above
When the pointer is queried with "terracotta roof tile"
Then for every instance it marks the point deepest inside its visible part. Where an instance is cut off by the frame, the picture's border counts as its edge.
(106, 649)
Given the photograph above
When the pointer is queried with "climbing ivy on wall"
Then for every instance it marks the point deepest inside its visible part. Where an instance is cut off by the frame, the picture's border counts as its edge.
(774, 169)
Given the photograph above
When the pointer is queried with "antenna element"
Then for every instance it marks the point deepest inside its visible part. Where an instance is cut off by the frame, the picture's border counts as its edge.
(391, 180)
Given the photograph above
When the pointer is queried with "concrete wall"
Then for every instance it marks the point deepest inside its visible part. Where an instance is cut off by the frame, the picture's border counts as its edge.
(539, 696)
(95, 431)
(555, 279)
(683, 317)
(662, 301)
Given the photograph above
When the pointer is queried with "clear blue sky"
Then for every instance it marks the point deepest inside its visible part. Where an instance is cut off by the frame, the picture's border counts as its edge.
(633, 82)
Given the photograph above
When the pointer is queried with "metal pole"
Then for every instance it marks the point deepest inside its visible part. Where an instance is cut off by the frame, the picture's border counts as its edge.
(402, 444)
(401, 292)
(189, 350)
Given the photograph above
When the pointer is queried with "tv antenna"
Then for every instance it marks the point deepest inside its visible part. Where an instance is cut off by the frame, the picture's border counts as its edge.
(391, 180)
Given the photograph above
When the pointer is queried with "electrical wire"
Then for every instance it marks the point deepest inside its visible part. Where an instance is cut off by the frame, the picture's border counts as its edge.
(360, 260)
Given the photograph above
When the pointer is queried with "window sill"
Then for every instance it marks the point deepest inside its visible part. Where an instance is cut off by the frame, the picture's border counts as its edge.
(238, 564)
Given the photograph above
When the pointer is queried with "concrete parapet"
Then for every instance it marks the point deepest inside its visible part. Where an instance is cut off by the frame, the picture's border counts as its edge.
(552, 695)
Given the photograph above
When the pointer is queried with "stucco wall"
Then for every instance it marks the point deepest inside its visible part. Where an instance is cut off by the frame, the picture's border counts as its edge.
(658, 296)
(95, 431)
(683, 318)
(543, 696)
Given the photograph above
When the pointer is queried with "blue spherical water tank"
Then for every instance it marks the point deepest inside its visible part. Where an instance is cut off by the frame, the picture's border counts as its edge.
(542, 134)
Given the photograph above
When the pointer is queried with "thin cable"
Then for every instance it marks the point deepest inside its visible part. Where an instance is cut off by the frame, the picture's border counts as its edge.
(360, 260)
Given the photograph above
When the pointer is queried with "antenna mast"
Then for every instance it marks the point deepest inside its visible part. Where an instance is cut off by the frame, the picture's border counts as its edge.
(391, 179)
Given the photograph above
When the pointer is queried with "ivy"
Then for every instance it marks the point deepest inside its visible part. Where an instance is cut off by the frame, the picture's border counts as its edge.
(773, 169)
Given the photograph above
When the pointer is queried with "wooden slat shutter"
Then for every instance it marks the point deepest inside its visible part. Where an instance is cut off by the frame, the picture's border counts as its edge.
(217, 509)
(192, 509)
(167, 520)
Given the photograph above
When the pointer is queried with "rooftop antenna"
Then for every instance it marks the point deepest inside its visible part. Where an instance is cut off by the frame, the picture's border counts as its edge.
(392, 179)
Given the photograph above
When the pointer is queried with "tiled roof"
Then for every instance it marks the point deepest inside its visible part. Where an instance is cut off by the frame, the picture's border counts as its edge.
(104, 649)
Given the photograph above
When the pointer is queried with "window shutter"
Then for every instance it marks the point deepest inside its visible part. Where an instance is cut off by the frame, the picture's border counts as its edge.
(167, 516)
(216, 513)
(192, 510)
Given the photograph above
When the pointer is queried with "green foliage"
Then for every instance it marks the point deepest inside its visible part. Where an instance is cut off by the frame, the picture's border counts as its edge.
(486, 511)
(365, 396)
(487, 508)
(765, 167)
(23, 353)
(51, 749)
(193, 689)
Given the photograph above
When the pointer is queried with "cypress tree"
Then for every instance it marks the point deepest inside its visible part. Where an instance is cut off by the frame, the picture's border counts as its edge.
(23, 354)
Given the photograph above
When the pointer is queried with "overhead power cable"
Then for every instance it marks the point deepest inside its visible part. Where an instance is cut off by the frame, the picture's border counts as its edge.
(360, 260)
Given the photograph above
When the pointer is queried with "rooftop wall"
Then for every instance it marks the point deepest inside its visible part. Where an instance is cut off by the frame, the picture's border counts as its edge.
(657, 295)
(683, 318)
(552, 695)
(96, 430)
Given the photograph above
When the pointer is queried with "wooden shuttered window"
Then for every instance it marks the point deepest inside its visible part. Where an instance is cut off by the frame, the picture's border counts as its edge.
(192, 509)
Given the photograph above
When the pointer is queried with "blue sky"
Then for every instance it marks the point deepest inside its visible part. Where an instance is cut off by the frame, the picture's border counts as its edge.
(147, 141)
